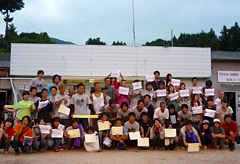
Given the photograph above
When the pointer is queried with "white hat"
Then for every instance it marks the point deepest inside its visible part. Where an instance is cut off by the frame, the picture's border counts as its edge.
(216, 120)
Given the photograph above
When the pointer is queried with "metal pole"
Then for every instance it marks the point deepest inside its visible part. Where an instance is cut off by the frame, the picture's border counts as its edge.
(134, 38)
(172, 38)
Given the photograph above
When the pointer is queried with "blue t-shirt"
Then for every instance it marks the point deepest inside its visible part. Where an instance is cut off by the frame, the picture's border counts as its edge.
(49, 86)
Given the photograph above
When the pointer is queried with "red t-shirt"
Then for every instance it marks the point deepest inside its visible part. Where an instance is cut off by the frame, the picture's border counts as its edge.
(9, 132)
(116, 85)
(233, 126)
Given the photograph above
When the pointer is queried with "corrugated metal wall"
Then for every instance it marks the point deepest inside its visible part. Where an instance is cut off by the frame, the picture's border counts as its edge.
(96, 61)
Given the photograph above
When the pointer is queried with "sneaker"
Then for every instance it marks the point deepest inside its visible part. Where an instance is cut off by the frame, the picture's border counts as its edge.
(99, 150)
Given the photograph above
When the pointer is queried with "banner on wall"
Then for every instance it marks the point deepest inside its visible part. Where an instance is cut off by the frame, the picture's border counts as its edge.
(229, 76)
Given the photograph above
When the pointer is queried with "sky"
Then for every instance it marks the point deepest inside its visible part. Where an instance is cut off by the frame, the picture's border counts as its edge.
(112, 20)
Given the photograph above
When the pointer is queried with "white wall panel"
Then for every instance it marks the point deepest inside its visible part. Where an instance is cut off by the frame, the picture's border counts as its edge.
(75, 60)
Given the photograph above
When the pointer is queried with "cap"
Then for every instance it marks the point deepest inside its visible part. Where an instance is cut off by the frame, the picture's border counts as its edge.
(205, 122)
(216, 120)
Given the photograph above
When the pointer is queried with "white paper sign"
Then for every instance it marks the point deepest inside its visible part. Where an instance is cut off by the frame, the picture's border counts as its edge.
(170, 132)
(107, 141)
(115, 74)
(143, 142)
(175, 82)
(134, 135)
(74, 133)
(137, 85)
(209, 92)
(45, 129)
(193, 147)
(210, 113)
(197, 110)
(103, 125)
(173, 119)
(149, 78)
(123, 90)
(173, 96)
(161, 93)
(57, 133)
(42, 104)
(117, 130)
(197, 90)
(90, 138)
(61, 127)
(184, 93)
(64, 110)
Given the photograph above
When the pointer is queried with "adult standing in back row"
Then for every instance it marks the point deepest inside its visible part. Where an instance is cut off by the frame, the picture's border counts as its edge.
(111, 91)
(156, 81)
(38, 82)
(56, 80)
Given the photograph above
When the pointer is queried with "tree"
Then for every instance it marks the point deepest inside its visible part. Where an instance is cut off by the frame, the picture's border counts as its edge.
(43, 38)
(95, 41)
(224, 39)
(119, 43)
(157, 42)
(10, 6)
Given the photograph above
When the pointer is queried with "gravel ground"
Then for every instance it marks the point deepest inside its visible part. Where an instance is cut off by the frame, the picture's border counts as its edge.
(131, 156)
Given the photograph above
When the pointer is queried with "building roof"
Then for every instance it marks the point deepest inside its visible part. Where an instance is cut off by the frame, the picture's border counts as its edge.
(4, 61)
(225, 56)
(98, 61)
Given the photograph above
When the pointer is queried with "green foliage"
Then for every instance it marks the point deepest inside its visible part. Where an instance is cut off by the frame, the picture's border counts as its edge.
(119, 43)
(95, 41)
(229, 40)
(7, 7)
(13, 37)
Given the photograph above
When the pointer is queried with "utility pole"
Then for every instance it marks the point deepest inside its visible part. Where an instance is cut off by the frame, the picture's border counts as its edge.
(134, 37)
(172, 38)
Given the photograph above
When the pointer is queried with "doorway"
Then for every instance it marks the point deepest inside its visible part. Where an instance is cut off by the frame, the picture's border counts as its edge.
(231, 99)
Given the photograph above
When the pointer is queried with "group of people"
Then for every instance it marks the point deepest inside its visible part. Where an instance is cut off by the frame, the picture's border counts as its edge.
(196, 117)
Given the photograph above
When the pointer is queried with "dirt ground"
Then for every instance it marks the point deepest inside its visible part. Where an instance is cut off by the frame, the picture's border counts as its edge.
(131, 156)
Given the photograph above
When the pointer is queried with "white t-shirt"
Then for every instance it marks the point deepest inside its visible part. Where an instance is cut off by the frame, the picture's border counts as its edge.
(57, 98)
(217, 102)
(161, 115)
(222, 113)
(98, 103)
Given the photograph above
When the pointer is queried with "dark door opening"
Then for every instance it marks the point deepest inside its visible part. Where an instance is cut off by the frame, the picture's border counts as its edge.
(231, 98)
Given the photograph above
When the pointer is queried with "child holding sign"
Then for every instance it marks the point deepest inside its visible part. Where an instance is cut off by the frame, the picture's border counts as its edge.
(74, 141)
(119, 139)
(170, 142)
(104, 134)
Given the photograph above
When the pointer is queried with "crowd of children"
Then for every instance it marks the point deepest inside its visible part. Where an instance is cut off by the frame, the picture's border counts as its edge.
(196, 117)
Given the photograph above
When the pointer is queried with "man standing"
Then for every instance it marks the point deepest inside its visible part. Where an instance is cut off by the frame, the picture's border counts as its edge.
(38, 82)
(156, 81)
(218, 100)
(79, 105)
(111, 91)
(56, 80)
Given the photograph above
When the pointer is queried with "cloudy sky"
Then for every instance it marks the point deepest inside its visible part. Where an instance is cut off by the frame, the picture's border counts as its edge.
(111, 20)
